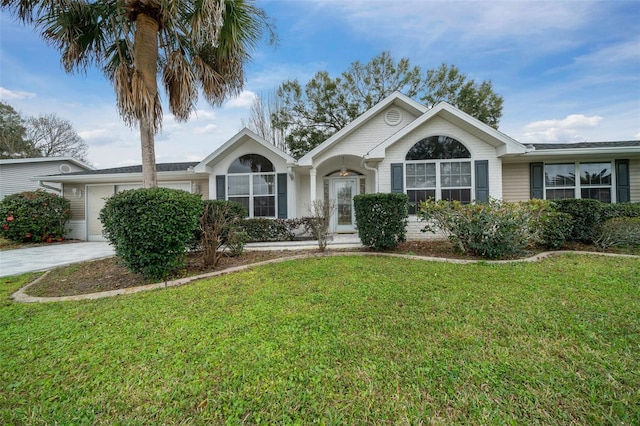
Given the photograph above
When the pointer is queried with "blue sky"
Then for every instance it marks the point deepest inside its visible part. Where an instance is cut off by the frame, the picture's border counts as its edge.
(568, 70)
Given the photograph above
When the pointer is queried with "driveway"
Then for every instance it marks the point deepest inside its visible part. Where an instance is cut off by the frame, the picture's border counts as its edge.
(20, 261)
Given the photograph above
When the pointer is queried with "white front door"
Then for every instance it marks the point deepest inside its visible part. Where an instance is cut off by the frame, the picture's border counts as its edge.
(344, 189)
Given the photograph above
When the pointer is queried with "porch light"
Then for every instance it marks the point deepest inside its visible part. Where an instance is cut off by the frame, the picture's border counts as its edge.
(343, 169)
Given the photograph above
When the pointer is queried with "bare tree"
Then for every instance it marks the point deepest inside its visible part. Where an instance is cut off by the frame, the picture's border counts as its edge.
(53, 136)
(262, 110)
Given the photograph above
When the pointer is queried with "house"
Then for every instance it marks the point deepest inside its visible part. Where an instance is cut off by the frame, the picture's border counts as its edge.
(396, 146)
(16, 173)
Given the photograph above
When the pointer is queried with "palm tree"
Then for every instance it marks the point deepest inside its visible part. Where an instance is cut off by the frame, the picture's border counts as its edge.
(194, 45)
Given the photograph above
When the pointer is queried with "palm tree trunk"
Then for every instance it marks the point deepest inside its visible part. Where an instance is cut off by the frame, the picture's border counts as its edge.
(145, 62)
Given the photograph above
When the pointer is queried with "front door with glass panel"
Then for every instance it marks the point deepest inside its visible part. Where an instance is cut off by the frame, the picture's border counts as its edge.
(343, 192)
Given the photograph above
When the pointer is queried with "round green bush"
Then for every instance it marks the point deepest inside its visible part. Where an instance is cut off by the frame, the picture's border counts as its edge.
(381, 219)
(151, 228)
(34, 216)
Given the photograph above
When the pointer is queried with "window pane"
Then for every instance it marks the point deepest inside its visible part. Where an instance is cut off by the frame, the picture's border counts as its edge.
(238, 185)
(595, 174)
(242, 200)
(455, 173)
(556, 194)
(421, 175)
(263, 184)
(600, 194)
(264, 206)
(416, 196)
(251, 163)
(462, 195)
(437, 148)
(559, 174)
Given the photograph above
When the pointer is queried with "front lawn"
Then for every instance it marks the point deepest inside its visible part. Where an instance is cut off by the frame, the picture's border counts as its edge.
(337, 340)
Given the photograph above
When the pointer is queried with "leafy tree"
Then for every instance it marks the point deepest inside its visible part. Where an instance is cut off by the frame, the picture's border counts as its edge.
(311, 113)
(193, 45)
(13, 140)
(447, 83)
(52, 136)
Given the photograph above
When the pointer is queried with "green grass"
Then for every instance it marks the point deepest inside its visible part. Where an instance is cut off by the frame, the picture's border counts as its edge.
(348, 340)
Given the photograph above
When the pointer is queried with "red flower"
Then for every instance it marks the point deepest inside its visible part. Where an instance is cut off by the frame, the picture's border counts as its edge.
(28, 235)
(9, 218)
(5, 226)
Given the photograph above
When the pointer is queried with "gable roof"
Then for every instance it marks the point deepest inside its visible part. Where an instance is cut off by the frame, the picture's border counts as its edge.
(395, 98)
(505, 145)
(243, 136)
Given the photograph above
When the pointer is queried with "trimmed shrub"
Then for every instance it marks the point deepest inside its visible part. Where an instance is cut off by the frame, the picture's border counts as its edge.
(151, 228)
(34, 216)
(381, 219)
(554, 229)
(619, 232)
(586, 215)
(493, 230)
(621, 210)
(262, 229)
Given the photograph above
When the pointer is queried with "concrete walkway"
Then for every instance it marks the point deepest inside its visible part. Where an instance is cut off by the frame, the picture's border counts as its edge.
(45, 257)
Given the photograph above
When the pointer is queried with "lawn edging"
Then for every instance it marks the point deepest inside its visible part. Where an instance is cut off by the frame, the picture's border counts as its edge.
(21, 296)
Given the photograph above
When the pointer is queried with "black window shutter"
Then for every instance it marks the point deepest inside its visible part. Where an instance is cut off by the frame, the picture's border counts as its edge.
(282, 195)
(220, 187)
(623, 189)
(397, 178)
(537, 180)
(482, 180)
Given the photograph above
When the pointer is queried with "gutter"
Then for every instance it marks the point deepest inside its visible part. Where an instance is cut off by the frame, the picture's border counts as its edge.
(49, 187)
(375, 173)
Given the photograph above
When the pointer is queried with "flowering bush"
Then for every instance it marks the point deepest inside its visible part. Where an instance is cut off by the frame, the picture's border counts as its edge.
(34, 216)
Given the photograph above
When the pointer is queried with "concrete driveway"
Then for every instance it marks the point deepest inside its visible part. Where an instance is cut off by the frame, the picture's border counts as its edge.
(20, 261)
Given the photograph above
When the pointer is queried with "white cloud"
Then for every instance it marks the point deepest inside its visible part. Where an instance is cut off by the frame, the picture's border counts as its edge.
(566, 130)
(11, 95)
(244, 100)
(205, 129)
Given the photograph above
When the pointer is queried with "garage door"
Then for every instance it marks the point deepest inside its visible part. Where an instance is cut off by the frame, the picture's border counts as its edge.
(96, 198)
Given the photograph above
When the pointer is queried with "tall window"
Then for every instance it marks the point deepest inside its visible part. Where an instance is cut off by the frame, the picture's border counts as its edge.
(594, 181)
(438, 167)
(251, 181)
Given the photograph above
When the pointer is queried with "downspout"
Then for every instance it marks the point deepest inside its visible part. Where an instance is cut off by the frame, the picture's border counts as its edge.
(50, 188)
(375, 173)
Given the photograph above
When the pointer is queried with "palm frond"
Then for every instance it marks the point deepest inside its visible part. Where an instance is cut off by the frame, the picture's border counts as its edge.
(180, 84)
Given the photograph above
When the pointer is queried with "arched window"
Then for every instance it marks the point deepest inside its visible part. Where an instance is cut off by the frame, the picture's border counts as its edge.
(251, 181)
(438, 167)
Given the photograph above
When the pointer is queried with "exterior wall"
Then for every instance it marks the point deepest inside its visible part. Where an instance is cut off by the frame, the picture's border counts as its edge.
(302, 194)
(515, 176)
(438, 126)
(14, 178)
(76, 195)
(515, 182)
(202, 186)
(367, 137)
(634, 175)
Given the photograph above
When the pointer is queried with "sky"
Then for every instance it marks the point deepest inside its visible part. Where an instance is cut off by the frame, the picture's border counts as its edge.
(569, 71)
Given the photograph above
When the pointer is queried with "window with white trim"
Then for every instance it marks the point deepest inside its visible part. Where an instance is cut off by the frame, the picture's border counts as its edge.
(251, 181)
(438, 167)
(594, 181)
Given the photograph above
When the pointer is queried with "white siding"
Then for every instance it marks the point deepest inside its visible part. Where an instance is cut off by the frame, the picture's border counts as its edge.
(367, 137)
